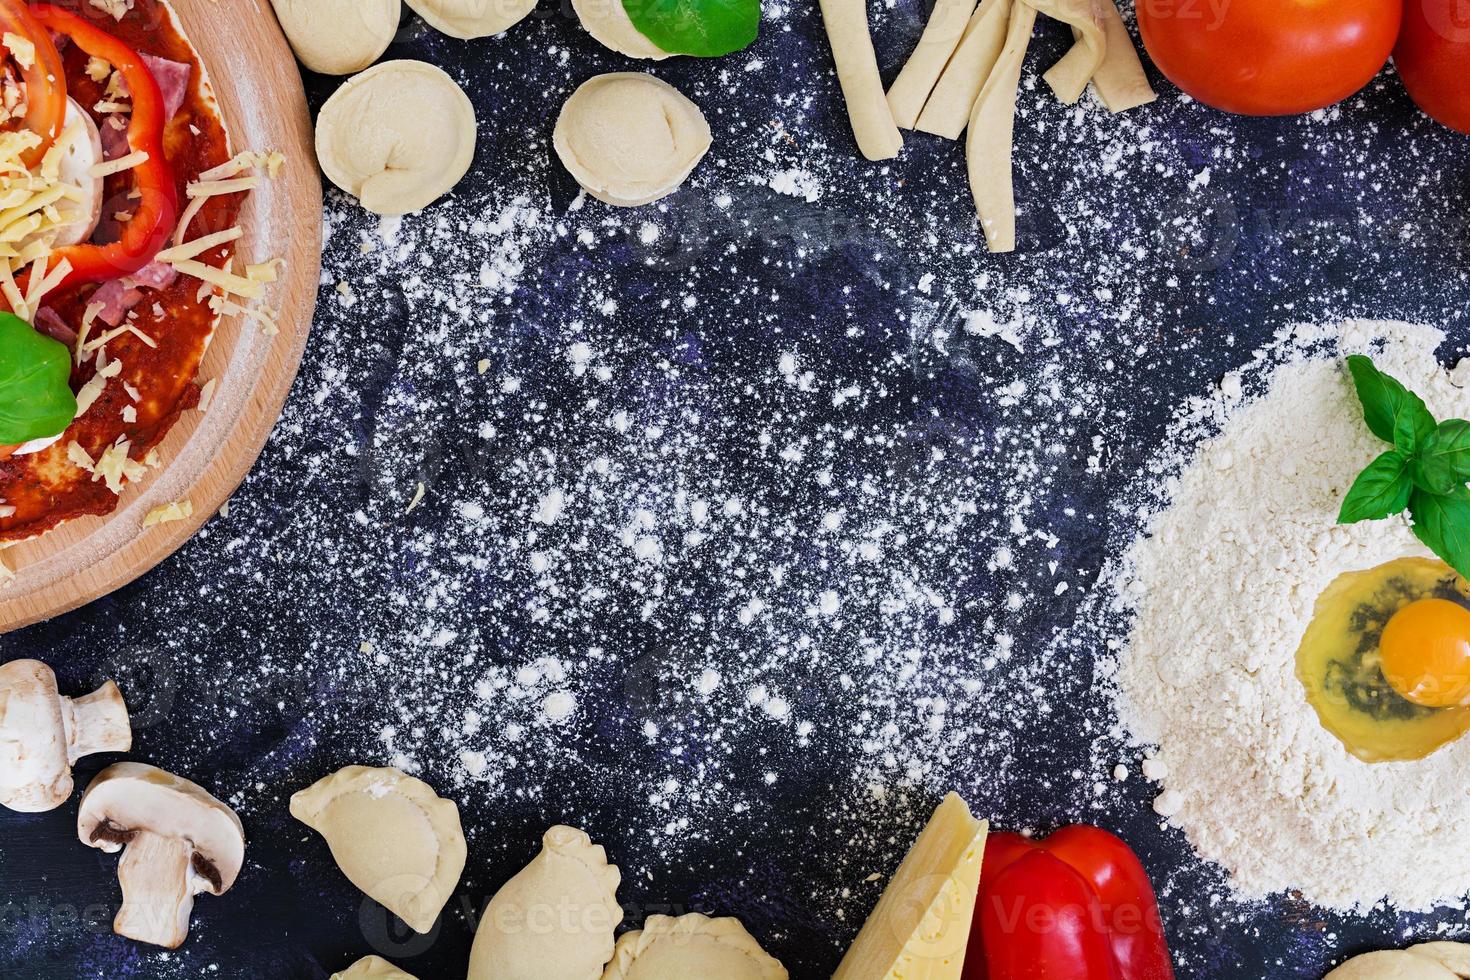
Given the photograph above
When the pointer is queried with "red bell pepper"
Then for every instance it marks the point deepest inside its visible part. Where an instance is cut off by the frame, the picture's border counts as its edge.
(44, 79)
(1077, 906)
(156, 207)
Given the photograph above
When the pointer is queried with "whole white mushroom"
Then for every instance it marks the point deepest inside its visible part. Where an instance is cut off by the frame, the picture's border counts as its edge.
(43, 734)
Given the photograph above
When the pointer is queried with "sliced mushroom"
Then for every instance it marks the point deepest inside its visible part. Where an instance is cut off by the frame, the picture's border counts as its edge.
(339, 37)
(630, 138)
(472, 18)
(555, 918)
(83, 151)
(398, 136)
(692, 945)
(179, 841)
(609, 24)
(392, 836)
(372, 968)
(42, 734)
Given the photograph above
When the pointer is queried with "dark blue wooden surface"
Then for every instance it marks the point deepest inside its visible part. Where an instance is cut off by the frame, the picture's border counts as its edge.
(237, 657)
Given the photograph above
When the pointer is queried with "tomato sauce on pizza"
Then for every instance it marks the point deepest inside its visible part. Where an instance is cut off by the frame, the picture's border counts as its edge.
(136, 301)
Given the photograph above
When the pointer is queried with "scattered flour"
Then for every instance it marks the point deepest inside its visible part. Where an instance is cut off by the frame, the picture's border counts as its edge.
(1222, 585)
(796, 183)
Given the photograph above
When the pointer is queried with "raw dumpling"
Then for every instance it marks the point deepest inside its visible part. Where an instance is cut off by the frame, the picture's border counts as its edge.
(692, 946)
(1454, 957)
(391, 835)
(608, 22)
(372, 968)
(523, 934)
(629, 138)
(472, 18)
(398, 136)
(1394, 964)
(339, 37)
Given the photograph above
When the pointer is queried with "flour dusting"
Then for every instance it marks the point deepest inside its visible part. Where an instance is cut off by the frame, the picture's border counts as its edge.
(1222, 586)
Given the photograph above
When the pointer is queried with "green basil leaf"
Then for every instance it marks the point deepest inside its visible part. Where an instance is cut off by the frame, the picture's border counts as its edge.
(1442, 522)
(704, 28)
(36, 400)
(1444, 458)
(1414, 425)
(1393, 413)
(1379, 491)
(1431, 477)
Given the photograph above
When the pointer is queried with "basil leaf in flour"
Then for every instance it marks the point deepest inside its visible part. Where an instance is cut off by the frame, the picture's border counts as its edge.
(1393, 413)
(1442, 522)
(1426, 471)
(1382, 489)
(36, 400)
(704, 28)
(1444, 458)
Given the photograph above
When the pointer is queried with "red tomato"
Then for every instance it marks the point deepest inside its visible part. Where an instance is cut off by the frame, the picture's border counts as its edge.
(1433, 59)
(1270, 57)
(5, 452)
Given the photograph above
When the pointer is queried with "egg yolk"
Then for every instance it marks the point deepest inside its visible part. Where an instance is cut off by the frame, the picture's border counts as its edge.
(1425, 650)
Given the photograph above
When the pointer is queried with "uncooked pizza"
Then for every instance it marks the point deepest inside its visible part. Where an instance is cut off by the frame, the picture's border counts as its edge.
(120, 198)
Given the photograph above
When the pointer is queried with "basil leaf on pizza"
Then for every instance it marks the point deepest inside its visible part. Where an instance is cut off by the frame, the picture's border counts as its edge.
(703, 28)
(36, 400)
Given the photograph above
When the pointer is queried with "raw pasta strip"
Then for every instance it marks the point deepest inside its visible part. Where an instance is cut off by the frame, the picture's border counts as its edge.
(942, 35)
(992, 127)
(948, 110)
(1119, 80)
(1068, 78)
(857, 69)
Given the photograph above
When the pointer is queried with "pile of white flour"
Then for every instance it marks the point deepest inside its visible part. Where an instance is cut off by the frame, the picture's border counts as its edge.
(1221, 587)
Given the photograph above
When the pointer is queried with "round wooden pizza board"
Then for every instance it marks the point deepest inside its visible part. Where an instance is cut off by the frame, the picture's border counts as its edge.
(256, 82)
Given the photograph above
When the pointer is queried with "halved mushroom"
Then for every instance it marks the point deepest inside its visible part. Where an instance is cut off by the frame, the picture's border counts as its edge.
(83, 152)
(1427, 961)
(42, 734)
(372, 968)
(179, 841)
(392, 836)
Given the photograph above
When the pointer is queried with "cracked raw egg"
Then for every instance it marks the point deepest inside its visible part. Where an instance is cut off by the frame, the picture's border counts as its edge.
(1386, 659)
(1425, 651)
